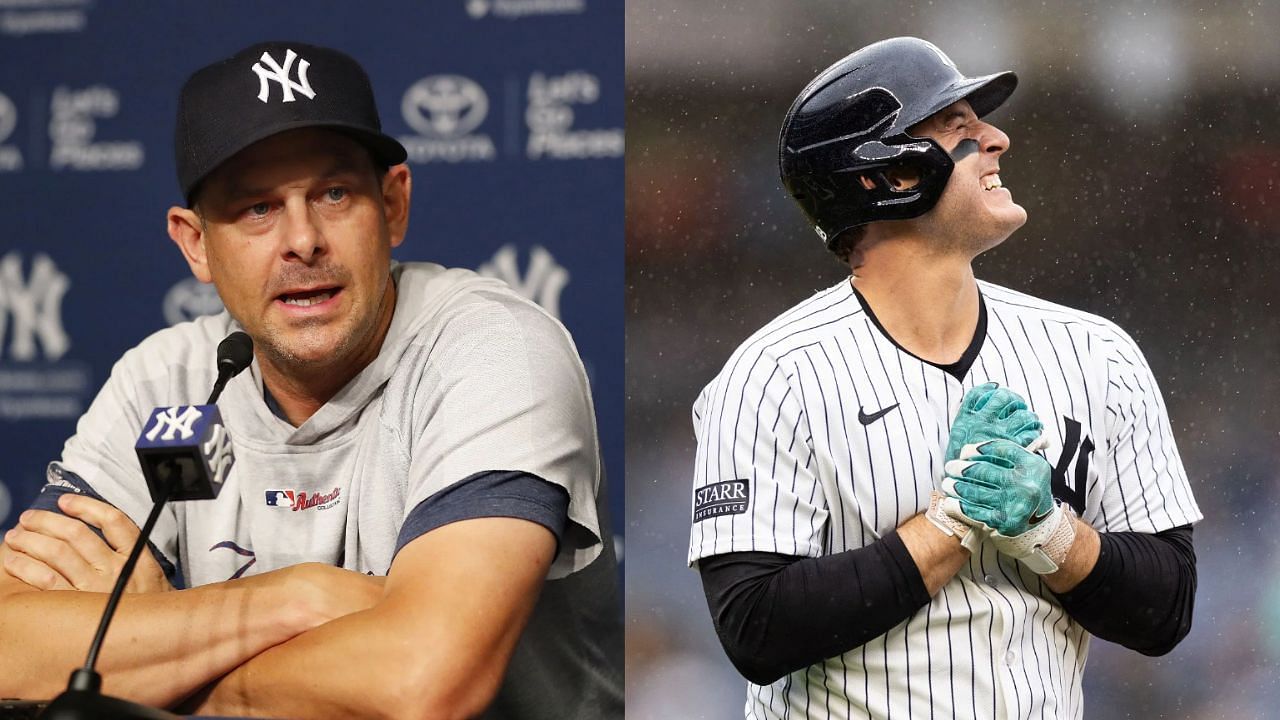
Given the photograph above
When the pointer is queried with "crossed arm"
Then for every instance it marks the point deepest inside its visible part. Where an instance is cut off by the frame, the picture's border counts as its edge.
(433, 641)
(775, 614)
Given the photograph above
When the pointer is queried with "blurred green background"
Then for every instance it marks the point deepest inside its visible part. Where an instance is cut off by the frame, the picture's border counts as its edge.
(1146, 150)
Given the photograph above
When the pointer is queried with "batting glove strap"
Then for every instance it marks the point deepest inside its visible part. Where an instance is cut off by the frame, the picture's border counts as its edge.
(944, 512)
(1044, 547)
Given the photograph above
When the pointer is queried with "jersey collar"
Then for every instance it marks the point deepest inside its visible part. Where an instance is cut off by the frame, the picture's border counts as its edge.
(957, 369)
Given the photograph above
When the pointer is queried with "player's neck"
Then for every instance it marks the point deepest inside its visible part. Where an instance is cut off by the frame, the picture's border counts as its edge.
(297, 401)
(926, 301)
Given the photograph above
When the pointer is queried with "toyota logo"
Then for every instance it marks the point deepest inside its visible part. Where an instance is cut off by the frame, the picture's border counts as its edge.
(445, 106)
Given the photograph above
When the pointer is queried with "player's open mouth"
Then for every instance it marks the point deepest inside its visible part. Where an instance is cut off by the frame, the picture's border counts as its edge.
(308, 298)
(990, 182)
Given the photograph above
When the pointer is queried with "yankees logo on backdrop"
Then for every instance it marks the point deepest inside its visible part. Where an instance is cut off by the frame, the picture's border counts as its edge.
(543, 283)
(280, 74)
(35, 306)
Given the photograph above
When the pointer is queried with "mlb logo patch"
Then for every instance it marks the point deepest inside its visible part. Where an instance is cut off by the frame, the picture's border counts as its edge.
(280, 498)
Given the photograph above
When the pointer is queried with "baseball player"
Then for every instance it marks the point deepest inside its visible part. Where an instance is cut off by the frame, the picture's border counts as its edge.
(411, 527)
(917, 494)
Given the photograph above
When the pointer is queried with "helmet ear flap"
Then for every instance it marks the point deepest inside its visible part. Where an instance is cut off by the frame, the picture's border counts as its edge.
(900, 178)
(844, 172)
(845, 152)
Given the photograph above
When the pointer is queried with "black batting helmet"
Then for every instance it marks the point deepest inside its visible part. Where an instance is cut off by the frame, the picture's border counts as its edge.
(851, 121)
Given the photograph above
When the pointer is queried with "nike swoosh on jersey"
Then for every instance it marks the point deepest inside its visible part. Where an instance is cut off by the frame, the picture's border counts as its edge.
(866, 419)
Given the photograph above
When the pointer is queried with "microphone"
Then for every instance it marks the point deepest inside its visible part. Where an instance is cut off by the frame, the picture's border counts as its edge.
(185, 453)
(235, 353)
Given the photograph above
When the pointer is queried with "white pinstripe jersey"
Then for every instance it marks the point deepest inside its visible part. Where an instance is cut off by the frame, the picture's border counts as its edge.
(786, 464)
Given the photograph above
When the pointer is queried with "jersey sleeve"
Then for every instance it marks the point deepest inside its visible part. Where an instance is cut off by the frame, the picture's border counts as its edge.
(1147, 489)
(492, 494)
(754, 486)
(503, 390)
(99, 459)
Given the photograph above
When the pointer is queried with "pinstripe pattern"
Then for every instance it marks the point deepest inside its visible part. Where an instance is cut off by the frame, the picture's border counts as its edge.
(783, 415)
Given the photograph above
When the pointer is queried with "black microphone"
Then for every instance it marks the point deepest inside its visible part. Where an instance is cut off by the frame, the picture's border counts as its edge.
(235, 353)
(185, 453)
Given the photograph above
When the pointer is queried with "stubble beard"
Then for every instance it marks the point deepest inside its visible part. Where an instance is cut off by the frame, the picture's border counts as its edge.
(305, 348)
(964, 234)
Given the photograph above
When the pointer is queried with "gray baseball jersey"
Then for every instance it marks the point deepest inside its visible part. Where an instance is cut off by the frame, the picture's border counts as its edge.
(471, 379)
(820, 435)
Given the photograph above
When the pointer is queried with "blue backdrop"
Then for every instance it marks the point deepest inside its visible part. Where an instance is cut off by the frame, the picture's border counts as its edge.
(511, 110)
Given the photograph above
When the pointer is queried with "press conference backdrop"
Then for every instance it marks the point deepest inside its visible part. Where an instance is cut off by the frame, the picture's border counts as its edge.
(511, 111)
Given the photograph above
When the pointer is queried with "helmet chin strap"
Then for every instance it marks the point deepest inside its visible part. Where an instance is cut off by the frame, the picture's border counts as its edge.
(964, 149)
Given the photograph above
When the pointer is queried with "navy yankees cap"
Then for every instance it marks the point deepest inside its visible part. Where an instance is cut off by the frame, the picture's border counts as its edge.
(269, 88)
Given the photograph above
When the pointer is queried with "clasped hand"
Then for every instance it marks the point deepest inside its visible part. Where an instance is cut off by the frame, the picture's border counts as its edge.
(997, 485)
(1000, 485)
(990, 412)
(49, 551)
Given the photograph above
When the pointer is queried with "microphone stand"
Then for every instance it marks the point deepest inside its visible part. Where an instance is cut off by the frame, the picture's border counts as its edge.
(83, 699)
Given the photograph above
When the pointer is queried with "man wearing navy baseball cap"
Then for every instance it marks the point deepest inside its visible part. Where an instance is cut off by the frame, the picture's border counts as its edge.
(411, 526)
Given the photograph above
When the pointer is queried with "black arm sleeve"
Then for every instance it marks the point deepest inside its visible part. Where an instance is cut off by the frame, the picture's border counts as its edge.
(776, 614)
(1141, 592)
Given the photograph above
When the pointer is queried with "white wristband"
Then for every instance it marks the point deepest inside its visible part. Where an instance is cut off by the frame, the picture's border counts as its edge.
(937, 514)
(1043, 549)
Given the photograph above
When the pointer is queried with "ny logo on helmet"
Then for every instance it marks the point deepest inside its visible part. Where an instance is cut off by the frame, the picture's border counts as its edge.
(280, 74)
(941, 55)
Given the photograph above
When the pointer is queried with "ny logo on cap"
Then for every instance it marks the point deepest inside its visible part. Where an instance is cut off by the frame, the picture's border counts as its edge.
(280, 74)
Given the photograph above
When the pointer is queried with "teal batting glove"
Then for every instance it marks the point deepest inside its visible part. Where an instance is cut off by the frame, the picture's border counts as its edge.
(1001, 486)
(990, 412)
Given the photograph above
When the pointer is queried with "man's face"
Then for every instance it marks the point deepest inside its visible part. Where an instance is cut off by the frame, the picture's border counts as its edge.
(296, 238)
(974, 210)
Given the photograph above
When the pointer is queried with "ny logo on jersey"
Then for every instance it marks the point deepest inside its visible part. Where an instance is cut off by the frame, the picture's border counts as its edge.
(280, 74)
(171, 423)
(34, 305)
(1075, 446)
